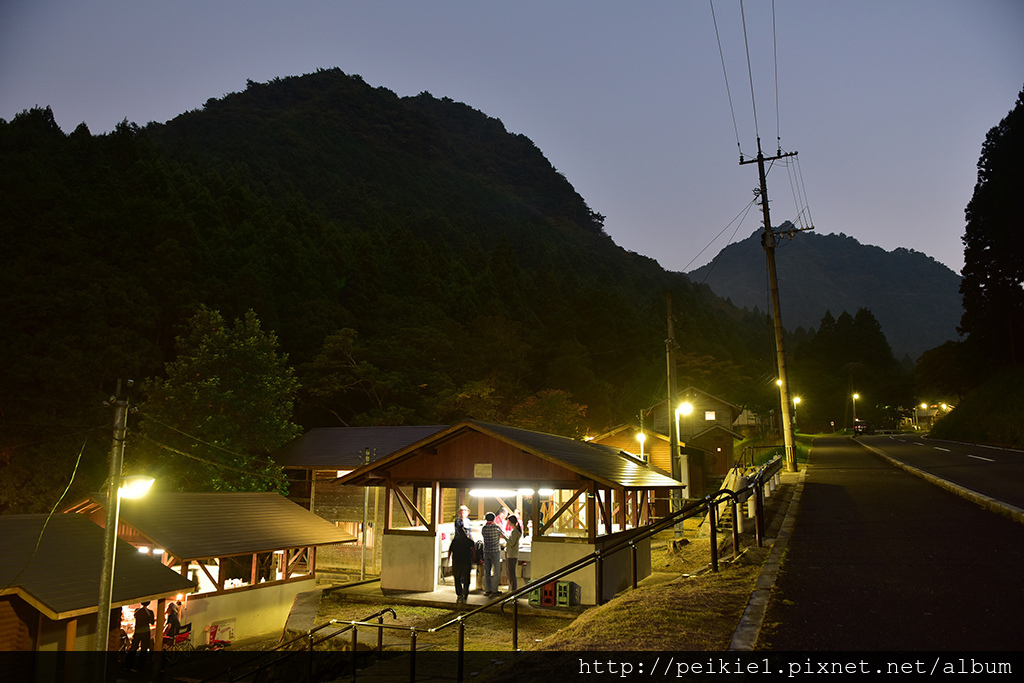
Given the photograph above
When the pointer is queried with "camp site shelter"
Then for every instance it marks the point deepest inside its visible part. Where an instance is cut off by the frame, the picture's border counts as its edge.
(50, 569)
(577, 497)
(250, 553)
(316, 460)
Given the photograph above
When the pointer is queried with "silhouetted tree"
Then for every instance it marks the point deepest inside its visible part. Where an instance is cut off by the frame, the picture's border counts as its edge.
(993, 284)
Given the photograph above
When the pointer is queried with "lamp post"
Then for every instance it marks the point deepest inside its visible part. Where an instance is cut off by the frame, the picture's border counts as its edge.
(855, 397)
(796, 403)
(641, 437)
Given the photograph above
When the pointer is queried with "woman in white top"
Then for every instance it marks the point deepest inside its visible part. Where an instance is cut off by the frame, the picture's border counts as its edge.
(512, 551)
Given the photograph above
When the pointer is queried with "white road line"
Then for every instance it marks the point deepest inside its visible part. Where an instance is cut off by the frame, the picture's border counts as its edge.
(978, 457)
(945, 450)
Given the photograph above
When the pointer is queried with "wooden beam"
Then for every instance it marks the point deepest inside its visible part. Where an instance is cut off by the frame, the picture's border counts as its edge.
(592, 517)
(216, 582)
(412, 512)
(562, 509)
(158, 637)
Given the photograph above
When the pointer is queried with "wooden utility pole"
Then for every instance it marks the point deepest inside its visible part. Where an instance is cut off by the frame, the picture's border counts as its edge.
(768, 240)
(680, 468)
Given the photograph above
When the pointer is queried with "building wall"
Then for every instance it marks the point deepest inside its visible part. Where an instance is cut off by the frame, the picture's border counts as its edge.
(548, 555)
(409, 562)
(248, 612)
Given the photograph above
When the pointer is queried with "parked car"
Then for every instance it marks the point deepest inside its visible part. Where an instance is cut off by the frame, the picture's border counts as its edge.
(861, 427)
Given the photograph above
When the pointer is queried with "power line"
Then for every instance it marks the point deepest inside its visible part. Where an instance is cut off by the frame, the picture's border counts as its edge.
(728, 92)
(750, 71)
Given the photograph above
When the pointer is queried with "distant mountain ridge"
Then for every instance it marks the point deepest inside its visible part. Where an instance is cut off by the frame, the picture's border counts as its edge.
(915, 298)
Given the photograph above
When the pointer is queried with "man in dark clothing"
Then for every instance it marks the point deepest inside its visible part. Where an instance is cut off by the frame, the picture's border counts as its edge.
(460, 556)
(142, 639)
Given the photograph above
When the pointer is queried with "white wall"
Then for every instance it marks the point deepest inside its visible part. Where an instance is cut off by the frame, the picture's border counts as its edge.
(548, 556)
(248, 612)
(409, 563)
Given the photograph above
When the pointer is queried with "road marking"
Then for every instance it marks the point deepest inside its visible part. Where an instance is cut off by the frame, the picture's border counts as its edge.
(917, 443)
(978, 457)
(945, 450)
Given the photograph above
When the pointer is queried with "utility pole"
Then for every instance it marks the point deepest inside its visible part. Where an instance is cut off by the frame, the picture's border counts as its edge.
(110, 531)
(680, 468)
(768, 240)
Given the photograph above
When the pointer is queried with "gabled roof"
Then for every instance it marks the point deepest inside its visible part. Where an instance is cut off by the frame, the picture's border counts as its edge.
(693, 392)
(342, 448)
(603, 464)
(61, 578)
(718, 427)
(201, 525)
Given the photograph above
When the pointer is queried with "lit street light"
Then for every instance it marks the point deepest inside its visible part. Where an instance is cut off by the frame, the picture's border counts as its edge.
(855, 397)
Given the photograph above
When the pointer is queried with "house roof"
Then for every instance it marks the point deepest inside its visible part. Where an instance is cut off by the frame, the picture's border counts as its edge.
(56, 565)
(201, 525)
(342, 448)
(603, 464)
(694, 393)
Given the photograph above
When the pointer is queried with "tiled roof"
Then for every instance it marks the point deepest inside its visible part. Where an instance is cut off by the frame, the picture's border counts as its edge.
(202, 525)
(589, 459)
(604, 464)
(61, 578)
(342, 448)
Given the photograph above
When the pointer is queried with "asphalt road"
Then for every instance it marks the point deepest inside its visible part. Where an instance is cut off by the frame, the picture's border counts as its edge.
(994, 472)
(881, 560)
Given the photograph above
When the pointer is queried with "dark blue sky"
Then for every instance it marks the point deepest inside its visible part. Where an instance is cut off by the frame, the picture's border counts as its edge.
(887, 101)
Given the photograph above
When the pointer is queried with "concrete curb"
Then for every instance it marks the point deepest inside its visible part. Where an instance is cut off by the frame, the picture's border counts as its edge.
(987, 502)
(744, 638)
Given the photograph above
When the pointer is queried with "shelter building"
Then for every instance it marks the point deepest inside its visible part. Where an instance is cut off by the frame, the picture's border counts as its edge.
(576, 497)
(249, 553)
(316, 460)
(50, 569)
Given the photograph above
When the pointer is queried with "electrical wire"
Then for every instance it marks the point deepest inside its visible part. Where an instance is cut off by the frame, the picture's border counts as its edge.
(775, 57)
(39, 539)
(728, 92)
(740, 217)
(211, 463)
(750, 71)
(194, 438)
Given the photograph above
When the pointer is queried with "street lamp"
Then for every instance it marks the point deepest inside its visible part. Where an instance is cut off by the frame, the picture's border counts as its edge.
(855, 397)
(796, 402)
(684, 409)
(641, 437)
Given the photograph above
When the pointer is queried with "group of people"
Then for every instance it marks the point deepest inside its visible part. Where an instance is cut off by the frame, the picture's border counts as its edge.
(142, 639)
(500, 528)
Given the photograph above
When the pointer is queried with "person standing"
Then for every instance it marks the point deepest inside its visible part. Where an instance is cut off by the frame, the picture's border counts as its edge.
(173, 613)
(460, 556)
(512, 551)
(492, 555)
(142, 639)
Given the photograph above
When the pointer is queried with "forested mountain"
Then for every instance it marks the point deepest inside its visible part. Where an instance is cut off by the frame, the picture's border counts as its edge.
(915, 298)
(416, 262)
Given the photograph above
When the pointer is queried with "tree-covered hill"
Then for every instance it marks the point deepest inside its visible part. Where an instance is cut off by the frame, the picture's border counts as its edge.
(416, 262)
(915, 298)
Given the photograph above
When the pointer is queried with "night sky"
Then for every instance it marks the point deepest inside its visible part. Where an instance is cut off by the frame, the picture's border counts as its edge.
(887, 101)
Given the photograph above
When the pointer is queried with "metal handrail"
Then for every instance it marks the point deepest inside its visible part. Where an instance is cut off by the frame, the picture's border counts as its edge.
(755, 486)
(287, 655)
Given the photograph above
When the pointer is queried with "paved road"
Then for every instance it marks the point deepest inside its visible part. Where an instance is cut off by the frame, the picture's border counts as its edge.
(994, 472)
(882, 560)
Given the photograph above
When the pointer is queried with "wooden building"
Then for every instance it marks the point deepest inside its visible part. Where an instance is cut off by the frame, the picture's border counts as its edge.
(577, 496)
(50, 569)
(249, 553)
(316, 460)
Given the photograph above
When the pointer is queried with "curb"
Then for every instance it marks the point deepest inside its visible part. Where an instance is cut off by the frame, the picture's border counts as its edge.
(744, 638)
(987, 502)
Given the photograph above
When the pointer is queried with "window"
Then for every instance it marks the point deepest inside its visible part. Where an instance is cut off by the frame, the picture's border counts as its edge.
(709, 415)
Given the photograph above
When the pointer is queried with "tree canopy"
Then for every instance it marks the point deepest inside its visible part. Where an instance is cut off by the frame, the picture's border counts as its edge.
(993, 283)
(225, 405)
